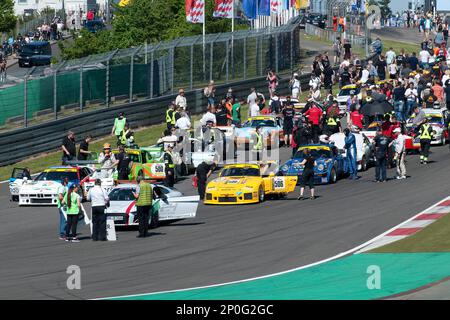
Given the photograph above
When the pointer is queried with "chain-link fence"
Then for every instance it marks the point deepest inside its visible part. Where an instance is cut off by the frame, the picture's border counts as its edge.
(147, 71)
(25, 25)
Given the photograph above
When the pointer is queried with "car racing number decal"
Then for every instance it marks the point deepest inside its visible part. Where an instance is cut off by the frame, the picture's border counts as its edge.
(157, 169)
(278, 183)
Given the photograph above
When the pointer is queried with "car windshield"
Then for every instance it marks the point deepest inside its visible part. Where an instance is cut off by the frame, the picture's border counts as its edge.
(323, 152)
(134, 158)
(122, 195)
(261, 123)
(436, 120)
(347, 92)
(57, 176)
(238, 172)
(32, 50)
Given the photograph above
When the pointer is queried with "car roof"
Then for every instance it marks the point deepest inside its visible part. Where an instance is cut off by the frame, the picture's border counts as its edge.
(37, 43)
(63, 168)
(315, 146)
(350, 86)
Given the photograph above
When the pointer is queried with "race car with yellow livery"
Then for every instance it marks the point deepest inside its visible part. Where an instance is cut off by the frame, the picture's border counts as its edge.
(271, 129)
(248, 183)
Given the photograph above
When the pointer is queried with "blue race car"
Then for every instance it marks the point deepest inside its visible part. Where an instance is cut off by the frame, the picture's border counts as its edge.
(330, 163)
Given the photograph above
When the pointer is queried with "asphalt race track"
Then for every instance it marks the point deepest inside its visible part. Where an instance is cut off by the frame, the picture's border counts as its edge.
(224, 243)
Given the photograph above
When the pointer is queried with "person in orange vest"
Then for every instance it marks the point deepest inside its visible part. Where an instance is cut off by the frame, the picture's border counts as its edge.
(229, 107)
(335, 22)
(341, 24)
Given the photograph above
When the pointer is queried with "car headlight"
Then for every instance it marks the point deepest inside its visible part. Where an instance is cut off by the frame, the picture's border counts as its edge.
(320, 167)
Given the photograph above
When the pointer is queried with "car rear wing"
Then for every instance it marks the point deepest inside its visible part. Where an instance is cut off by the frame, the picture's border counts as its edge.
(135, 182)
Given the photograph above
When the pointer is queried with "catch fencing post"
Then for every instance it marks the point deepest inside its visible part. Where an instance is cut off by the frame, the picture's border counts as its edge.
(276, 52)
(245, 58)
(55, 90)
(25, 97)
(292, 51)
(132, 71)
(227, 59)
(191, 70)
(211, 61)
(107, 77)
(81, 82)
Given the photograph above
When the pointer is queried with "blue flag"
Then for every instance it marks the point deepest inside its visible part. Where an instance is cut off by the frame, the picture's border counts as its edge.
(264, 7)
(249, 8)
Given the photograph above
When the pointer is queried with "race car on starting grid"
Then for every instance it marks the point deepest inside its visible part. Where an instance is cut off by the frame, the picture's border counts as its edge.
(147, 162)
(330, 163)
(271, 128)
(168, 204)
(248, 183)
(43, 190)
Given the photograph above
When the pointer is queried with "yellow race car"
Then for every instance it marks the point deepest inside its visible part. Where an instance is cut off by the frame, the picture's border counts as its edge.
(248, 183)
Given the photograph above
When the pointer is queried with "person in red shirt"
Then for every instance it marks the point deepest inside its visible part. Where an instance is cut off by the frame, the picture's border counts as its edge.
(90, 15)
(314, 115)
(394, 125)
(386, 126)
(356, 117)
(335, 23)
(438, 90)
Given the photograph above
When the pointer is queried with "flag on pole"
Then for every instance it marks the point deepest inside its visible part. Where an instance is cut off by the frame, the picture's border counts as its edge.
(195, 11)
(249, 8)
(264, 7)
(285, 4)
(223, 9)
(275, 6)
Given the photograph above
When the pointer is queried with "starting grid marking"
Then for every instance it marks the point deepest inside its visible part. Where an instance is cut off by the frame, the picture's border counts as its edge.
(411, 226)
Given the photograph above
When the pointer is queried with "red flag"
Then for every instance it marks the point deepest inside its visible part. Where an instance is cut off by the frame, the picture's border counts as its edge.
(223, 9)
(195, 11)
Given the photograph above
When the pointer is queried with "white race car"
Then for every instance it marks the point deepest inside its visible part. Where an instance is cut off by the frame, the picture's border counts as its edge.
(43, 190)
(107, 177)
(364, 150)
(19, 176)
(168, 204)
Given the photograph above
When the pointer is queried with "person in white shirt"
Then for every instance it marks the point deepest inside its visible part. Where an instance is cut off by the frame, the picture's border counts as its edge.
(252, 97)
(183, 123)
(446, 77)
(209, 116)
(424, 57)
(390, 56)
(400, 153)
(169, 139)
(365, 75)
(254, 110)
(180, 100)
(345, 64)
(411, 98)
(295, 85)
(99, 201)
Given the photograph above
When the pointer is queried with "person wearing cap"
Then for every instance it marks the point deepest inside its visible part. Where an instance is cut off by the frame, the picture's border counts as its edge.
(107, 160)
(169, 166)
(99, 201)
(425, 133)
(144, 197)
(400, 153)
(119, 125)
(429, 98)
(180, 100)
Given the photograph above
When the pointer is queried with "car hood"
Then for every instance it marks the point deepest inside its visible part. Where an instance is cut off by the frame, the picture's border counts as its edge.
(121, 207)
(293, 165)
(249, 131)
(233, 183)
(40, 186)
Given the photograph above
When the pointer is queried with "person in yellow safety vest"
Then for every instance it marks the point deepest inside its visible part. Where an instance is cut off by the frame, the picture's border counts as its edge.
(169, 165)
(119, 125)
(333, 125)
(170, 117)
(127, 137)
(258, 147)
(425, 136)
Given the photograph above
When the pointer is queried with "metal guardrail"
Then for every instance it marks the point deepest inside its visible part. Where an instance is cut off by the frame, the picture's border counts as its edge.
(26, 142)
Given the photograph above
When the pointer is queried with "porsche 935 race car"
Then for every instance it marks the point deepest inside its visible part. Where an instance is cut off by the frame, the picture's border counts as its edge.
(248, 183)
(330, 163)
(168, 204)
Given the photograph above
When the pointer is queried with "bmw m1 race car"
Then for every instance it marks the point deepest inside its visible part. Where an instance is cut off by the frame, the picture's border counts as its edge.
(272, 131)
(43, 190)
(330, 164)
(248, 183)
(168, 204)
(18, 177)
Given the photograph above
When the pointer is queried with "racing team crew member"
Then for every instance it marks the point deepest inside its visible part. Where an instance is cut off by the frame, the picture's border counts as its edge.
(108, 161)
(425, 132)
(123, 164)
(314, 115)
(288, 123)
(350, 147)
(203, 172)
(127, 137)
(258, 147)
(68, 147)
(62, 190)
(99, 200)
(170, 117)
(143, 197)
(119, 125)
(169, 165)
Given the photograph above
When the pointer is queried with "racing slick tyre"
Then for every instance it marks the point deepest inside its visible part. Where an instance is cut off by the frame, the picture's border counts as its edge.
(363, 164)
(333, 176)
(15, 198)
(261, 195)
(154, 221)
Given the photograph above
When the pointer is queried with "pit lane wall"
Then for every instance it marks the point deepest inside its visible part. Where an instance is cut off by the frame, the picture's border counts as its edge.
(23, 143)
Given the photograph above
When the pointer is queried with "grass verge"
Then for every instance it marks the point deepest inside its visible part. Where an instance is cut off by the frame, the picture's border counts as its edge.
(144, 136)
(433, 238)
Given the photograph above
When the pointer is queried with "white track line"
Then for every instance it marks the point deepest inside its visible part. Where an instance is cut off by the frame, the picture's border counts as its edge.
(290, 270)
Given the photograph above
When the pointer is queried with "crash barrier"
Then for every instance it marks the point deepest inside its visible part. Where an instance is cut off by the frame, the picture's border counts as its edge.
(330, 35)
(148, 71)
(26, 142)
